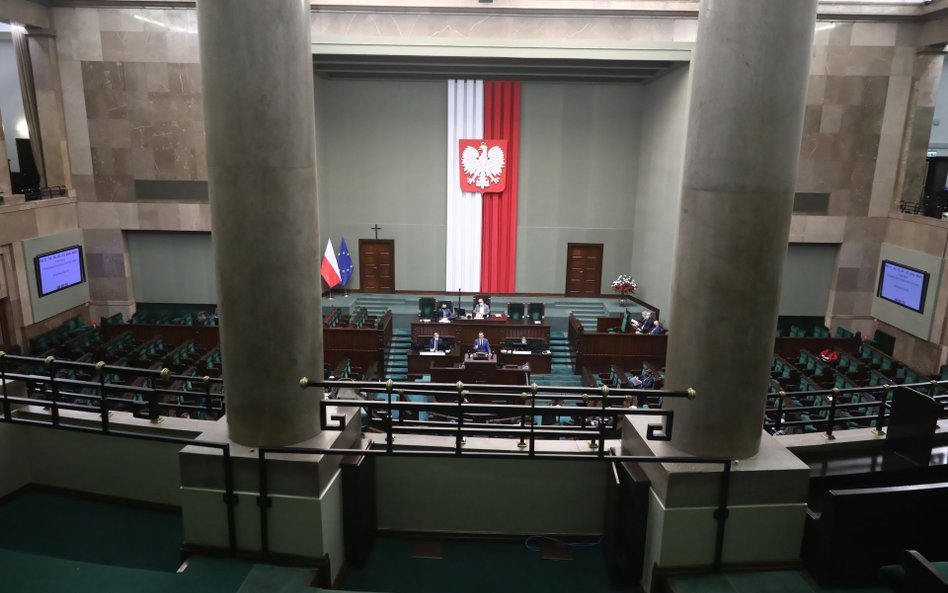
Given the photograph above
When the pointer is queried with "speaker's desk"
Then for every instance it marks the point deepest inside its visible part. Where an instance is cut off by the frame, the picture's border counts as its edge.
(496, 330)
(420, 362)
(482, 370)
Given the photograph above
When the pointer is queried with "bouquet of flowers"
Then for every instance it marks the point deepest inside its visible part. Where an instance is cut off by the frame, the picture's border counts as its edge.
(624, 284)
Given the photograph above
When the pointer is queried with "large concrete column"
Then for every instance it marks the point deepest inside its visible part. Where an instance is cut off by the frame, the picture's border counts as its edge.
(259, 120)
(749, 84)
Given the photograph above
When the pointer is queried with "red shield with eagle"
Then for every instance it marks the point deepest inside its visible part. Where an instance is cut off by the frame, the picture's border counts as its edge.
(483, 165)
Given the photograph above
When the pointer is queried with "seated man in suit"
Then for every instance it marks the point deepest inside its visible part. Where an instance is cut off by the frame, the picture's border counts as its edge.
(436, 344)
(645, 326)
(658, 330)
(444, 312)
(481, 345)
(481, 309)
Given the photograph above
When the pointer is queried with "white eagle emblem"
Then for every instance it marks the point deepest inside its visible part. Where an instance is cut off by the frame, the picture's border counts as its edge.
(484, 167)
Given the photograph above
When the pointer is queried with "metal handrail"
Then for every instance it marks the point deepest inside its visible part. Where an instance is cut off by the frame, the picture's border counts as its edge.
(832, 395)
(104, 427)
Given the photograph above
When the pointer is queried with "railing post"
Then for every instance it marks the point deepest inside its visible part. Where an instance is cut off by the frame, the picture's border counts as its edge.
(880, 417)
(459, 437)
(389, 436)
(3, 382)
(533, 420)
(53, 390)
(522, 444)
(208, 405)
(103, 398)
(831, 421)
(264, 503)
(721, 514)
(592, 441)
(933, 388)
(602, 421)
(153, 413)
(778, 423)
(230, 499)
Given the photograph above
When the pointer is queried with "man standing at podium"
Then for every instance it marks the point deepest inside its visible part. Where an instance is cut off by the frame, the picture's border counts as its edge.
(436, 344)
(481, 345)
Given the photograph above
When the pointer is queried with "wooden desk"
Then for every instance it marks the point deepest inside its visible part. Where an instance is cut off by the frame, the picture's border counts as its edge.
(496, 330)
(420, 364)
(473, 371)
(539, 363)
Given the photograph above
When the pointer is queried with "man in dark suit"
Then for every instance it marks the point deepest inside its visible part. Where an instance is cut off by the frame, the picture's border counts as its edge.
(647, 323)
(436, 343)
(481, 344)
(445, 312)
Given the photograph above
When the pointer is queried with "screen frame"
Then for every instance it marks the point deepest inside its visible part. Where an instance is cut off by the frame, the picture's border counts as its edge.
(39, 276)
(926, 275)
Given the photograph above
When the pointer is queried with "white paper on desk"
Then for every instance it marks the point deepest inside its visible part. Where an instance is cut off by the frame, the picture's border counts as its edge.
(430, 353)
(523, 352)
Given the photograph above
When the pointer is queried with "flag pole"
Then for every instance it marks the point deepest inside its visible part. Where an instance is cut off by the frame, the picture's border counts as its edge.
(330, 294)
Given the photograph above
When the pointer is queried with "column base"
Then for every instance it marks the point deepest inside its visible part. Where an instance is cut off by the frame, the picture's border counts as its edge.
(766, 506)
(305, 498)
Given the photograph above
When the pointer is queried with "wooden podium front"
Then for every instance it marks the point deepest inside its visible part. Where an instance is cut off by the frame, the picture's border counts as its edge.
(481, 370)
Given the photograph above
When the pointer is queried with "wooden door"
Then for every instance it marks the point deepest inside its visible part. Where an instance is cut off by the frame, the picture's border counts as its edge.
(377, 265)
(6, 327)
(583, 269)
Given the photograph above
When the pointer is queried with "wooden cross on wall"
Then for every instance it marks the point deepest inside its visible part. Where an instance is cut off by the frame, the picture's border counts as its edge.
(376, 228)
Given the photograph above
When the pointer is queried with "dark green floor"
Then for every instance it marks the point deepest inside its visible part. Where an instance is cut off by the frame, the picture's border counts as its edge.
(52, 524)
(44, 574)
(51, 543)
(477, 567)
(785, 581)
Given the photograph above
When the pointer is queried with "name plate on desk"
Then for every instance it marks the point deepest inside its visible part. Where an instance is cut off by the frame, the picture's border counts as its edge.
(430, 353)
(522, 352)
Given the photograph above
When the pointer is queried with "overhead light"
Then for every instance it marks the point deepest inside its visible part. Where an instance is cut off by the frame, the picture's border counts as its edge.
(145, 19)
(22, 129)
(825, 26)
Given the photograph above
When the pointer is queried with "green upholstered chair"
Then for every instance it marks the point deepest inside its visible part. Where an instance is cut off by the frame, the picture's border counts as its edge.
(536, 311)
(426, 307)
(623, 326)
(515, 311)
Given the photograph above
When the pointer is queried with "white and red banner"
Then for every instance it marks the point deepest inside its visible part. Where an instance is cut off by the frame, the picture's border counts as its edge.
(483, 145)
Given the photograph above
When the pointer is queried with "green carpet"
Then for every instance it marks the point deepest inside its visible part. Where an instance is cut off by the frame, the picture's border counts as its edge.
(784, 581)
(478, 567)
(60, 526)
(41, 574)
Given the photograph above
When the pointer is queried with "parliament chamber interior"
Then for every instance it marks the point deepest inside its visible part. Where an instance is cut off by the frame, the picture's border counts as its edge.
(473, 295)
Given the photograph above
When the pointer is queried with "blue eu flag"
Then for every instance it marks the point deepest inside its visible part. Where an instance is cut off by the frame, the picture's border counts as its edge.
(345, 263)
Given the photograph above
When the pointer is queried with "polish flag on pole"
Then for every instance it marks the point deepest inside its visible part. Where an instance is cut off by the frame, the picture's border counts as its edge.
(330, 269)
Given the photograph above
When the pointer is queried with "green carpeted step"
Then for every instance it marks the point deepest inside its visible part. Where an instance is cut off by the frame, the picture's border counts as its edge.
(785, 581)
(265, 578)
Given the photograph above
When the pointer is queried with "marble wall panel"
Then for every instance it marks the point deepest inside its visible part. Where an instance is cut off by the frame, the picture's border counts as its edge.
(136, 111)
(109, 273)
